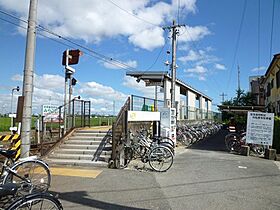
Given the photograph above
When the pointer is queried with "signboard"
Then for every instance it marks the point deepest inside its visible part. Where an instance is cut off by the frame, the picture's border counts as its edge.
(134, 116)
(260, 128)
(50, 113)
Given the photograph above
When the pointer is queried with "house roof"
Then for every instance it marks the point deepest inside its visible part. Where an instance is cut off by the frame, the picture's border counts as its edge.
(276, 57)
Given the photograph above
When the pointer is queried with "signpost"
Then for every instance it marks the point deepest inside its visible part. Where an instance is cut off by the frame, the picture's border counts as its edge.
(260, 128)
(50, 113)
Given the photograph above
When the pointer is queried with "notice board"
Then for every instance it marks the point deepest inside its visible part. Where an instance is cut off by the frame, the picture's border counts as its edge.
(260, 128)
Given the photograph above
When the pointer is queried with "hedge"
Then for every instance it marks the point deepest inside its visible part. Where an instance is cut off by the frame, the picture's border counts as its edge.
(276, 134)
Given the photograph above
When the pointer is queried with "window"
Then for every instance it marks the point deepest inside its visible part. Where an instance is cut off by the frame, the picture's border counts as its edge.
(278, 79)
(271, 83)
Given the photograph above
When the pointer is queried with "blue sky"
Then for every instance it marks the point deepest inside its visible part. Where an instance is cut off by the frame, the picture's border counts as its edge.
(130, 31)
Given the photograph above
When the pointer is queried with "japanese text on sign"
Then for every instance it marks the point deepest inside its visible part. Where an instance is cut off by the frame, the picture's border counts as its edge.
(260, 128)
(51, 113)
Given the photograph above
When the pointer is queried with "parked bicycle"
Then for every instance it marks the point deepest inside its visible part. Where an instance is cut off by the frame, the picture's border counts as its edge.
(9, 199)
(154, 151)
(29, 174)
(234, 142)
(187, 134)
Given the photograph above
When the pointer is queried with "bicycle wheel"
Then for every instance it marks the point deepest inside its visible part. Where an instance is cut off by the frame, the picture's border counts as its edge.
(30, 176)
(38, 201)
(167, 140)
(160, 159)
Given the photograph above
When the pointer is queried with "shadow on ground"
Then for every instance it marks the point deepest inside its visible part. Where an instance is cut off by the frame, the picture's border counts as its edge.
(212, 143)
(82, 198)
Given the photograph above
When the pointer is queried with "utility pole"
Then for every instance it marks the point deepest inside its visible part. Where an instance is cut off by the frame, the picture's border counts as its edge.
(65, 95)
(28, 79)
(156, 99)
(175, 31)
(238, 75)
(223, 97)
(114, 107)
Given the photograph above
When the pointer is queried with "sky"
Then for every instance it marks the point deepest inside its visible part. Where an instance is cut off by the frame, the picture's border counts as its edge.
(217, 36)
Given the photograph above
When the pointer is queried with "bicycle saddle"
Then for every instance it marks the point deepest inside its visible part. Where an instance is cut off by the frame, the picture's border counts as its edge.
(8, 189)
(8, 153)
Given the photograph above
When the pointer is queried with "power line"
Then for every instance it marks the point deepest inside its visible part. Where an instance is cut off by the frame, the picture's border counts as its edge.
(259, 33)
(139, 18)
(237, 42)
(272, 27)
(97, 55)
(92, 53)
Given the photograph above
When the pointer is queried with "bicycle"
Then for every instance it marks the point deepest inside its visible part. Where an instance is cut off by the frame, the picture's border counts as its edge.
(159, 156)
(234, 141)
(42, 200)
(29, 174)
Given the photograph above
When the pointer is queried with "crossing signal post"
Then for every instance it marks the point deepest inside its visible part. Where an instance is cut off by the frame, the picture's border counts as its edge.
(69, 57)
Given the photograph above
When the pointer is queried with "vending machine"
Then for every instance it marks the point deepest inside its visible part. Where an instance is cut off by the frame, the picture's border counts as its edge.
(168, 123)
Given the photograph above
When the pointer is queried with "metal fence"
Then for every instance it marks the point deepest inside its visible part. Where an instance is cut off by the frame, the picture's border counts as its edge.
(139, 103)
(54, 126)
(193, 113)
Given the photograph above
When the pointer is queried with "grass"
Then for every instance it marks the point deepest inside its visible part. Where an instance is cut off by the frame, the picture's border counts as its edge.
(5, 122)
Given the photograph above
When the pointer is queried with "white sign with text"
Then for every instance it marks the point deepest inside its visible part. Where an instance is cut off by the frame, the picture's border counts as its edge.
(260, 128)
(51, 113)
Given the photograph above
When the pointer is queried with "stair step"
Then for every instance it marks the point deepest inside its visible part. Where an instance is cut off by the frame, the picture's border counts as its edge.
(105, 151)
(91, 132)
(77, 162)
(77, 146)
(94, 138)
(82, 142)
(78, 157)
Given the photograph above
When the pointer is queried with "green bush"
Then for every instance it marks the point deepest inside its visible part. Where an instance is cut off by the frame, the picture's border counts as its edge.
(276, 134)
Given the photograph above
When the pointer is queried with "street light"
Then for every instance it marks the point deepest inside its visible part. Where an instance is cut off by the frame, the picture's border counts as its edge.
(17, 89)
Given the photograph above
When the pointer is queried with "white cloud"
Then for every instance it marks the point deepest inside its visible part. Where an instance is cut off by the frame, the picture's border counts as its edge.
(197, 70)
(96, 90)
(261, 68)
(191, 56)
(191, 34)
(128, 64)
(148, 39)
(49, 81)
(140, 87)
(17, 77)
(50, 89)
(94, 20)
(220, 66)
(200, 57)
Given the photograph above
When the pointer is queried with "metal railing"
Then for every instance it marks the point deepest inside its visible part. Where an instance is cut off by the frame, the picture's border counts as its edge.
(53, 127)
(119, 132)
(139, 103)
(193, 113)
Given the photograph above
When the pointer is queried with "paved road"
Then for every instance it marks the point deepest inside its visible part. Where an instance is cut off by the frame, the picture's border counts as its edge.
(202, 177)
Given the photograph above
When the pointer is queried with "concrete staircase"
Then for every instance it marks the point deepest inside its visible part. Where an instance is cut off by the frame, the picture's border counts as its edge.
(83, 148)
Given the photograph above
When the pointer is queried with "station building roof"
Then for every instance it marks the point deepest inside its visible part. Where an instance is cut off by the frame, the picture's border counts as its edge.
(152, 78)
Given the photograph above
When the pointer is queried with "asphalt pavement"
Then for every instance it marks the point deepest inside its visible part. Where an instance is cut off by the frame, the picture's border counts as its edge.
(204, 176)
